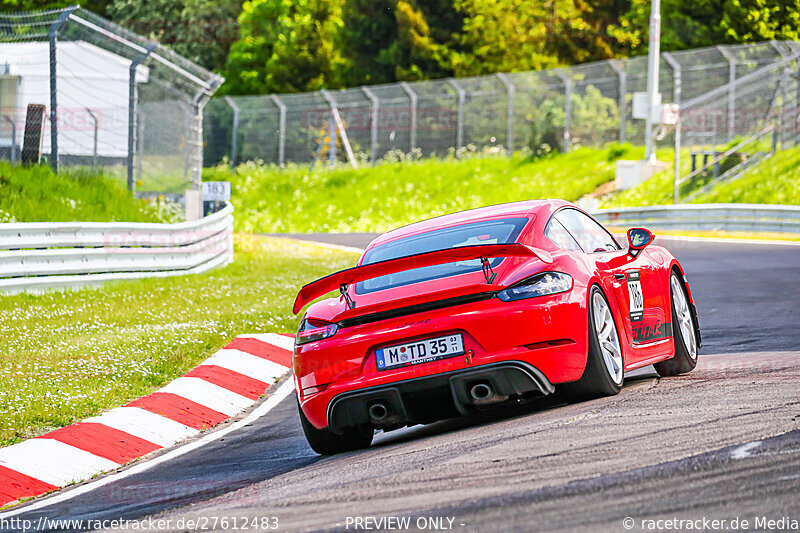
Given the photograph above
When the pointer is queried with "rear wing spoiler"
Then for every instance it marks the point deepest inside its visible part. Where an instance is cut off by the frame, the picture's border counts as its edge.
(340, 280)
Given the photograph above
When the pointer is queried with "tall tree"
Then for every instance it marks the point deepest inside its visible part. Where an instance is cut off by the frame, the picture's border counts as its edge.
(286, 46)
(370, 27)
(758, 20)
(509, 35)
(391, 40)
(200, 30)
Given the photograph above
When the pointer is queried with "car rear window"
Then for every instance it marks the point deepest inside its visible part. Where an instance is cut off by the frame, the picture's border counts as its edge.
(502, 231)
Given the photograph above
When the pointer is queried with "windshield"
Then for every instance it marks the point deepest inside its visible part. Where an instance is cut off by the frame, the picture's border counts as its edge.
(502, 231)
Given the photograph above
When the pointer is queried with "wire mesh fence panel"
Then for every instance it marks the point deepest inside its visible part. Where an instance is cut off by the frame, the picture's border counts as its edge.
(485, 112)
(356, 112)
(396, 120)
(555, 109)
(25, 83)
(437, 117)
(539, 110)
(745, 119)
(595, 104)
(308, 124)
(115, 101)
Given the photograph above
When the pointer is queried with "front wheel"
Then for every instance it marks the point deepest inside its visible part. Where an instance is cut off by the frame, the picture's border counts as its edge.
(326, 442)
(604, 368)
(683, 333)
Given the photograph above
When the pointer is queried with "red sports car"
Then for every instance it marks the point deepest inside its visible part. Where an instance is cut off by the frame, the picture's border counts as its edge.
(448, 315)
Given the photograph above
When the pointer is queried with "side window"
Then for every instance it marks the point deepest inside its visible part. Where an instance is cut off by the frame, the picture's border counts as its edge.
(591, 236)
(559, 235)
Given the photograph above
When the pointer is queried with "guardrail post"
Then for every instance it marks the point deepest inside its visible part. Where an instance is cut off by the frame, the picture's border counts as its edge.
(373, 124)
(622, 92)
(234, 130)
(568, 85)
(462, 96)
(281, 129)
(510, 91)
(53, 38)
(731, 91)
(132, 97)
(412, 104)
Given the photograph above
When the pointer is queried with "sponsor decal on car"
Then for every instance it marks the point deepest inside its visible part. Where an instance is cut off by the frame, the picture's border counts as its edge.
(650, 330)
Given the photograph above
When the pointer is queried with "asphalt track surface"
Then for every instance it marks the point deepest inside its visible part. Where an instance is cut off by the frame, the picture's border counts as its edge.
(722, 442)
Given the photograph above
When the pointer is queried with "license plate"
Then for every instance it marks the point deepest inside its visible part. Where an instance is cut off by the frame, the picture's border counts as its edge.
(424, 351)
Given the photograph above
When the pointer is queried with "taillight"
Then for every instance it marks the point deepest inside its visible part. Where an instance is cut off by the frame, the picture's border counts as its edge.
(314, 330)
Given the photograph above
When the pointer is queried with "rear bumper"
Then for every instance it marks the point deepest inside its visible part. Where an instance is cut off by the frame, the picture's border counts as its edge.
(430, 398)
(547, 333)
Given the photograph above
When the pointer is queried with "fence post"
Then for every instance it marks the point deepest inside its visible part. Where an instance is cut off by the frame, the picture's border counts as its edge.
(510, 91)
(462, 96)
(676, 175)
(281, 129)
(622, 92)
(567, 108)
(55, 27)
(412, 98)
(373, 123)
(234, 130)
(132, 111)
(331, 128)
(782, 120)
(94, 148)
(731, 91)
(13, 155)
(140, 148)
(676, 99)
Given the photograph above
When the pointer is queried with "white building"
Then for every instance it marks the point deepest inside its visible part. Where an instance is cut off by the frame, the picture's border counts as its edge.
(91, 81)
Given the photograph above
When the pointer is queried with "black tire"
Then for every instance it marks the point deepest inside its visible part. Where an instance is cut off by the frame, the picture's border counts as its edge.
(683, 361)
(596, 381)
(326, 442)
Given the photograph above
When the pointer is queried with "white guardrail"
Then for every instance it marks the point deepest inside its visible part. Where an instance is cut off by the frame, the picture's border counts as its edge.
(46, 255)
(727, 217)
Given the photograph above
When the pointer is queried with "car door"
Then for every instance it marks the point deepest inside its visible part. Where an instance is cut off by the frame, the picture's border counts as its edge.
(637, 287)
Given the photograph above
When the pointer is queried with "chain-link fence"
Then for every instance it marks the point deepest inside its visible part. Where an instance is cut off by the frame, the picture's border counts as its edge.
(585, 105)
(727, 129)
(104, 97)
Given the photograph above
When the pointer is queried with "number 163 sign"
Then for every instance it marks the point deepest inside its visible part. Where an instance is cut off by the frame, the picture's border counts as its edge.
(216, 191)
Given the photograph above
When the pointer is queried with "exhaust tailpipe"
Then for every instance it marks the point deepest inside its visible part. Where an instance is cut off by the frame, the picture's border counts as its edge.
(378, 412)
(481, 392)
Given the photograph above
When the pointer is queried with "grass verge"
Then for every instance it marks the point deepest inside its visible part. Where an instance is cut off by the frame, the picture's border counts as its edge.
(65, 356)
(294, 200)
(35, 194)
(774, 181)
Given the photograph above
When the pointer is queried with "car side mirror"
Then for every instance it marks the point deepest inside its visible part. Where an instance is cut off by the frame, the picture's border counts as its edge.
(639, 239)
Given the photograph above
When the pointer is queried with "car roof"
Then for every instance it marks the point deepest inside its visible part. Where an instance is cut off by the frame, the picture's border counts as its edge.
(524, 209)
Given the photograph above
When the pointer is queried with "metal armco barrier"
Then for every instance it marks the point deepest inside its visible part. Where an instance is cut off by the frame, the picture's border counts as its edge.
(55, 255)
(728, 217)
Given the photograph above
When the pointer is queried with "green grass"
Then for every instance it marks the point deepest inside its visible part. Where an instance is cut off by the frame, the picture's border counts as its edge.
(35, 194)
(294, 200)
(65, 356)
(775, 181)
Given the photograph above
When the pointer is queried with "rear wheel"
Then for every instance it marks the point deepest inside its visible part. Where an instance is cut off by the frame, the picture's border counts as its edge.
(604, 368)
(326, 442)
(683, 333)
